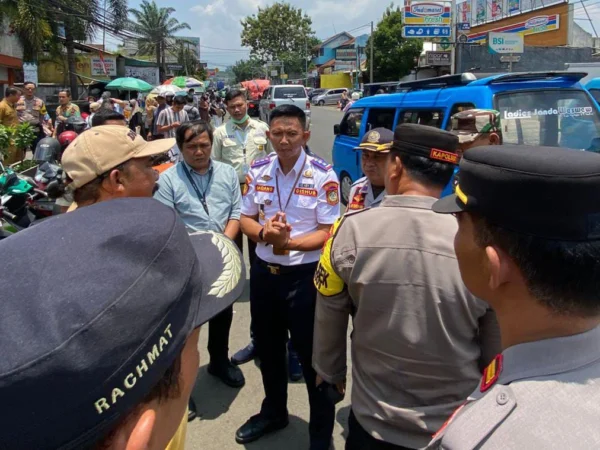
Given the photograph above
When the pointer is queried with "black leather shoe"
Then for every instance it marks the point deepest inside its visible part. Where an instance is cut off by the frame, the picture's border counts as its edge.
(247, 354)
(256, 427)
(228, 373)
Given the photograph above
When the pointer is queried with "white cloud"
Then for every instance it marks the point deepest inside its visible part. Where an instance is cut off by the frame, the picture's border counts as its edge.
(210, 9)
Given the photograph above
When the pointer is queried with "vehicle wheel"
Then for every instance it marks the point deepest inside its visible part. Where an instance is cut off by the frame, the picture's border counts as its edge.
(345, 187)
(321, 103)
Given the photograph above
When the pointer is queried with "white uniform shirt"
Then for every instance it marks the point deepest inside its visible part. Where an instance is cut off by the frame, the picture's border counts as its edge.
(314, 200)
(362, 196)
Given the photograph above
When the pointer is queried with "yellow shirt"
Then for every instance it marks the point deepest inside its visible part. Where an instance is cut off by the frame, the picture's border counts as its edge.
(8, 114)
(178, 440)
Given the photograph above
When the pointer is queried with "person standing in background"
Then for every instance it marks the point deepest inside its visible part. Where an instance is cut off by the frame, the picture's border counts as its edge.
(162, 105)
(32, 110)
(65, 110)
(238, 143)
(190, 109)
(9, 118)
(169, 120)
(204, 108)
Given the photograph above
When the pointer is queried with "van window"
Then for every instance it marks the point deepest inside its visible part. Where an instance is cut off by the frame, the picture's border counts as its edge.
(596, 94)
(290, 92)
(423, 117)
(551, 117)
(351, 122)
(460, 107)
(381, 118)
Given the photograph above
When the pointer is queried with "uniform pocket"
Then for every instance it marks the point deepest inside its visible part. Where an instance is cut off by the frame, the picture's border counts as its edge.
(305, 201)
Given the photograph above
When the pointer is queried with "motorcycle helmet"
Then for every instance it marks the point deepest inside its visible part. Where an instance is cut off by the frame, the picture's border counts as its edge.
(76, 124)
(66, 137)
(48, 149)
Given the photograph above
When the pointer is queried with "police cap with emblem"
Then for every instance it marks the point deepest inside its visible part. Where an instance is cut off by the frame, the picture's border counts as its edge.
(426, 141)
(113, 292)
(377, 140)
(547, 192)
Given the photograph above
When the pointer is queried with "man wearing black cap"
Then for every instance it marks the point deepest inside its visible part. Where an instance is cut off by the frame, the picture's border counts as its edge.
(419, 337)
(369, 190)
(528, 242)
(96, 364)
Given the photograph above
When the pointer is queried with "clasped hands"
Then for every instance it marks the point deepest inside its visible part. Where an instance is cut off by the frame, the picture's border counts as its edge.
(277, 231)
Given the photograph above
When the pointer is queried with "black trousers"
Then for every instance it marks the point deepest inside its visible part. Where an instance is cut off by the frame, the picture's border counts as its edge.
(282, 303)
(359, 439)
(218, 336)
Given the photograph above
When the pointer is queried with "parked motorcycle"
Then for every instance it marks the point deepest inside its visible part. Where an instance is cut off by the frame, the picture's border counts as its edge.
(48, 177)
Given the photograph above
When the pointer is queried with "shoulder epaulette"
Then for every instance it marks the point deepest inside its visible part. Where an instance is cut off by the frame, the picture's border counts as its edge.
(319, 163)
(352, 212)
(360, 180)
(261, 162)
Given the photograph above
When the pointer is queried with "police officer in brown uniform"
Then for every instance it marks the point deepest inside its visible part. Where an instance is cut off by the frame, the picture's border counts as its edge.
(32, 110)
(419, 338)
(369, 190)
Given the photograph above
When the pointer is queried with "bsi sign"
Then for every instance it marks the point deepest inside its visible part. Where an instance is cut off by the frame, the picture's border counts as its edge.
(505, 42)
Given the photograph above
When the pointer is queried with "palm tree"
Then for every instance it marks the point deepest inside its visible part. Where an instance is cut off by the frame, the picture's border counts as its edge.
(36, 24)
(156, 28)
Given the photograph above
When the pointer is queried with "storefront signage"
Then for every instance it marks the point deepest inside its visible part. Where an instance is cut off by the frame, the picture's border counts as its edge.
(148, 74)
(438, 58)
(103, 65)
(344, 66)
(425, 31)
(30, 72)
(426, 13)
(345, 54)
(505, 42)
(535, 25)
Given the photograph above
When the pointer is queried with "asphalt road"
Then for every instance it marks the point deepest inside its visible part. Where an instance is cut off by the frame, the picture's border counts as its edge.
(222, 409)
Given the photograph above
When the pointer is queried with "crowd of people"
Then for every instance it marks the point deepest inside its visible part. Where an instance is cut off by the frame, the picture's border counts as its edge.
(473, 301)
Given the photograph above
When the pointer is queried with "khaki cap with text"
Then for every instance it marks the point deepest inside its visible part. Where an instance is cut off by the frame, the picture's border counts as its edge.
(102, 148)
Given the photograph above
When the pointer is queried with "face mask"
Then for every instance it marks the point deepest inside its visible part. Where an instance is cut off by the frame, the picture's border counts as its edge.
(242, 120)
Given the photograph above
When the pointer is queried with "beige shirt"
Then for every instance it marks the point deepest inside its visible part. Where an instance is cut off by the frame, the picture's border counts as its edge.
(229, 140)
(419, 338)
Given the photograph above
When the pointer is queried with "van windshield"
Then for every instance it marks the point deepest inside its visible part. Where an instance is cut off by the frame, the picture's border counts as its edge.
(550, 117)
(290, 92)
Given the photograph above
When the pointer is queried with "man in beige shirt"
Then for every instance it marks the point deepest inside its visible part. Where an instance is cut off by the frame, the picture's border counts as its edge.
(238, 142)
(419, 337)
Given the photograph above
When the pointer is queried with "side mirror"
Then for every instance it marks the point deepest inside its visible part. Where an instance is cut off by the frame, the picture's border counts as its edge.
(336, 129)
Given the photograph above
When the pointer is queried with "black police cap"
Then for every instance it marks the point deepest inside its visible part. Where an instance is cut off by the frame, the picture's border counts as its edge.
(548, 192)
(96, 305)
(426, 141)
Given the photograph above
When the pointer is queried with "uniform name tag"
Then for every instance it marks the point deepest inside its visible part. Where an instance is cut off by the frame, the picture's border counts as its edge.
(306, 192)
(262, 188)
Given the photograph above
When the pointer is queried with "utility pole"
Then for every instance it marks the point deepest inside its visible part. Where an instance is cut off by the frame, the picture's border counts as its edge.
(104, 28)
(306, 58)
(453, 42)
(371, 80)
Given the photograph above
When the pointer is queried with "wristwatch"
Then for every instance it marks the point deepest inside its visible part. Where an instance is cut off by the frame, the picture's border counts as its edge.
(261, 234)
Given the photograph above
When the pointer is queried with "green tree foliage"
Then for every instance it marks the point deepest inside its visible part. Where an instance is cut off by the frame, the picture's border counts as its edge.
(248, 69)
(280, 32)
(393, 56)
(156, 28)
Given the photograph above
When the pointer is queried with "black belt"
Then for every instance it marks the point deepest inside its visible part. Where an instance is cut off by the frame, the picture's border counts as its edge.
(278, 269)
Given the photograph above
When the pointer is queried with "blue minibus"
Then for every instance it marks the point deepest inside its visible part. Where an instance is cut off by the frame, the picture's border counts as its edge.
(536, 108)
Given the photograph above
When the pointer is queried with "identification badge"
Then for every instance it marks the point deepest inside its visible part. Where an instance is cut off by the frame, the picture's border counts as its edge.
(280, 251)
(245, 169)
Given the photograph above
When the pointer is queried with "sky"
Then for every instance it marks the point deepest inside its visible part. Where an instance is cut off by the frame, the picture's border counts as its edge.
(217, 22)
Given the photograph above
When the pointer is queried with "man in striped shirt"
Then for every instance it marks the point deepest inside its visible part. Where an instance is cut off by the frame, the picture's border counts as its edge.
(169, 119)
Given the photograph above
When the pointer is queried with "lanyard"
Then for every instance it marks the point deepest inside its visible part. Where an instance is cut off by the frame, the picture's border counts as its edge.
(292, 191)
(201, 196)
(244, 141)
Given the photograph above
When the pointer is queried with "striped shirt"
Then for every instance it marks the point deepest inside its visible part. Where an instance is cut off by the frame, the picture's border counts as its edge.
(168, 117)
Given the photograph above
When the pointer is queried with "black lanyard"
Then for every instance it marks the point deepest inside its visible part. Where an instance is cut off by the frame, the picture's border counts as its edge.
(201, 195)
(282, 209)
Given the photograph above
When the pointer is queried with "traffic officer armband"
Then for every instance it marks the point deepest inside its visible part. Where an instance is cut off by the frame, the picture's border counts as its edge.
(326, 280)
